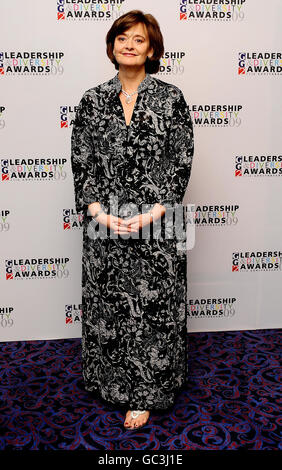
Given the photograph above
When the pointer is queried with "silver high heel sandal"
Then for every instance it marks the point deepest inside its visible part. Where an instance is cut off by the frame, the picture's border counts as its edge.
(135, 413)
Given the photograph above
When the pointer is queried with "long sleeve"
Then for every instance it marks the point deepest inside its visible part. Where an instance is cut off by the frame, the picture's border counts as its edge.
(84, 164)
(176, 167)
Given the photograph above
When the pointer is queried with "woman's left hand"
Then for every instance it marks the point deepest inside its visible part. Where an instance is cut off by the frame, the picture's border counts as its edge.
(136, 223)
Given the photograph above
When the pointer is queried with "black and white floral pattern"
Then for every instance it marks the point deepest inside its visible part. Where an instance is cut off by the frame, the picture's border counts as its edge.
(134, 331)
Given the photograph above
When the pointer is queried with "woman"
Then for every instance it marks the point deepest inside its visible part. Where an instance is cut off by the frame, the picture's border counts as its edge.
(132, 148)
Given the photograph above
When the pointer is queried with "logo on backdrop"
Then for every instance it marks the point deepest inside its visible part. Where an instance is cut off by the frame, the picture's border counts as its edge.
(33, 169)
(259, 63)
(73, 314)
(172, 63)
(72, 219)
(216, 216)
(212, 10)
(211, 308)
(33, 268)
(67, 116)
(89, 9)
(254, 165)
(6, 320)
(216, 115)
(31, 63)
(4, 222)
(2, 120)
(257, 261)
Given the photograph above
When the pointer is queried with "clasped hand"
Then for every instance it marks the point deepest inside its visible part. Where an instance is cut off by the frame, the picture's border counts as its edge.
(123, 226)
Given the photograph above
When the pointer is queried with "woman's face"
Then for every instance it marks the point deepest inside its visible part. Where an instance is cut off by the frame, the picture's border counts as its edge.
(132, 47)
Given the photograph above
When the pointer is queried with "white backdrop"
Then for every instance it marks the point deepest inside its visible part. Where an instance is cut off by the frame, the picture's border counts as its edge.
(225, 57)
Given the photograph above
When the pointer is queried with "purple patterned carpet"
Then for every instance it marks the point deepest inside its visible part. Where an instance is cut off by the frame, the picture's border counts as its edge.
(232, 401)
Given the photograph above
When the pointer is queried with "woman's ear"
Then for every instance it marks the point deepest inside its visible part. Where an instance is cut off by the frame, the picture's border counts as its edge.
(150, 53)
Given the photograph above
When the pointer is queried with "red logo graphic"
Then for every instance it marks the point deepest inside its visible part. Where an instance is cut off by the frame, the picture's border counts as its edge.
(9, 276)
(235, 268)
(61, 16)
(241, 71)
(238, 173)
(5, 177)
(64, 124)
(183, 16)
(66, 226)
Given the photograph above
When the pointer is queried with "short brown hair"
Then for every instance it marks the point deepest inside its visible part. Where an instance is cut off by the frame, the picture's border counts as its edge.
(130, 19)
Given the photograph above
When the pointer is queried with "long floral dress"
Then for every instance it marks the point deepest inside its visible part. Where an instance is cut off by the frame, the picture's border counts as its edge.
(134, 321)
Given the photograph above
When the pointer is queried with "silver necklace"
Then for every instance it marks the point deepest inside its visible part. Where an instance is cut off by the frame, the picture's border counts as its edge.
(128, 96)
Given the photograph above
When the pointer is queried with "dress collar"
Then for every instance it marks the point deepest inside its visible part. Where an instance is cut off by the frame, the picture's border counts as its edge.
(116, 83)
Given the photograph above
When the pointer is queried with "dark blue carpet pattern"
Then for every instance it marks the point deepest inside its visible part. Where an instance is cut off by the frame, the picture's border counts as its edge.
(231, 401)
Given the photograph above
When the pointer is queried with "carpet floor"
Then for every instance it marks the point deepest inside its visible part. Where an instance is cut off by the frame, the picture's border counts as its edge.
(233, 399)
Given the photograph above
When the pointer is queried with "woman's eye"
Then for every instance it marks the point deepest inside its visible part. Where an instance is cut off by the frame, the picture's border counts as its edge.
(121, 39)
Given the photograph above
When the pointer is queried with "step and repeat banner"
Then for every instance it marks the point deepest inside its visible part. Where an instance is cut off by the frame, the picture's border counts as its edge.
(226, 57)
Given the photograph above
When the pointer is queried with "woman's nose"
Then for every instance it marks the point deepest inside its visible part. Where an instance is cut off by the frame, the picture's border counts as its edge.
(129, 44)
